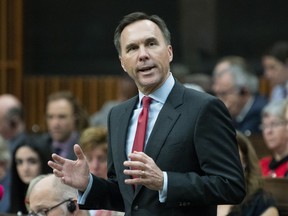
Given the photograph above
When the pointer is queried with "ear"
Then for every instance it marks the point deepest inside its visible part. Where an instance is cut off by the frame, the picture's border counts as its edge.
(122, 64)
(170, 53)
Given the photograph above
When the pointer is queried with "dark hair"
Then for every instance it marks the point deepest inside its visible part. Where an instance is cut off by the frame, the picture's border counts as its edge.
(18, 187)
(80, 113)
(279, 51)
(137, 16)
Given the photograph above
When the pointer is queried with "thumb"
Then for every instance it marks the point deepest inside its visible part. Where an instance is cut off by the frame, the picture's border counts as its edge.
(78, 152)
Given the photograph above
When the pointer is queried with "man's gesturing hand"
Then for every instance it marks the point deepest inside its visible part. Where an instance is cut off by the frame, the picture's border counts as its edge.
(144, 171)
(74, 173)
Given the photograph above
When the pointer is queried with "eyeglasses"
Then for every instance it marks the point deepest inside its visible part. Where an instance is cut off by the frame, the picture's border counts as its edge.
(44, 212)
(226, 93)
(273, 125)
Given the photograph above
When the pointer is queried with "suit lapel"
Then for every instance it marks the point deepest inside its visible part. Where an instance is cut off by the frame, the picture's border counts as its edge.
(124, 121)
(164, 123)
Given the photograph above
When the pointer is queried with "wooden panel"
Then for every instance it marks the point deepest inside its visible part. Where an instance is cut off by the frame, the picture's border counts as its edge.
(278, 187)
(264, 87)
(92, 93)
(11, 47)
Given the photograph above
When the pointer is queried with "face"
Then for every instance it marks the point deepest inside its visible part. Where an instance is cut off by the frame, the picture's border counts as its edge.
(144, 55)
(224, 88)
(275, 71)
(60, 119)
(41, 201)
(274, 132)
(27, 163)
(97, 162)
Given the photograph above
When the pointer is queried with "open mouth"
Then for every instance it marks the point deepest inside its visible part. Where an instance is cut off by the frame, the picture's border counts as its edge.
(145, 69)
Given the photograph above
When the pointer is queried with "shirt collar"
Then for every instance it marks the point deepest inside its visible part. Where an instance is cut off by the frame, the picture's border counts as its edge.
(245, 109)
(65, 144)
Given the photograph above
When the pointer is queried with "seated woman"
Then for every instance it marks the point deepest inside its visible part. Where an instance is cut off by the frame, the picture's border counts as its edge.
(29, 161)
(257, 201)
(276, 138)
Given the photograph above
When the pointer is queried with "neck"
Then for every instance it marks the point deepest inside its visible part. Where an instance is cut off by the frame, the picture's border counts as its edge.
(281, 152)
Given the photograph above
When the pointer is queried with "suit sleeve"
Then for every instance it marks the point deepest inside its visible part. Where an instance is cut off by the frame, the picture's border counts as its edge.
(220, 179)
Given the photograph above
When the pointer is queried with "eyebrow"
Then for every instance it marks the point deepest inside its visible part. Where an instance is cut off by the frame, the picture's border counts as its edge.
(149, 39)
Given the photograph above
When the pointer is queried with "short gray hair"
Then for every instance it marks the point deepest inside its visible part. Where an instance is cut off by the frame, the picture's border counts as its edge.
(274, 108)
(242, 73)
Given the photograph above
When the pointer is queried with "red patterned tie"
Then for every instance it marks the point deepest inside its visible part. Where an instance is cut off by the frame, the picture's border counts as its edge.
(139, 139)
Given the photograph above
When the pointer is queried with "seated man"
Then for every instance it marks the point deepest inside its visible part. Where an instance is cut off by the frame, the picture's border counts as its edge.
(65, 118)
(236, 85)
(46, 193)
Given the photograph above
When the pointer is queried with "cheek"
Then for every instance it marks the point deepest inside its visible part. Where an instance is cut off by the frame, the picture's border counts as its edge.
(36, 169)
(19, 169)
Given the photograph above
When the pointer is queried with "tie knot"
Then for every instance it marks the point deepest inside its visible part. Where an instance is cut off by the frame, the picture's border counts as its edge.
(146, 101)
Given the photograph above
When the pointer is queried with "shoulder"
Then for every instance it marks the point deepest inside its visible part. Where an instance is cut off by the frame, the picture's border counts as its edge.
(265, 160)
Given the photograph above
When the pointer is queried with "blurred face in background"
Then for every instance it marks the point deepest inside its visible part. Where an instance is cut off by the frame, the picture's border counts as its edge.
(275, 71)
(97, 161)
(224, 88)
(274, 132)
(28, 164)
(60, 119)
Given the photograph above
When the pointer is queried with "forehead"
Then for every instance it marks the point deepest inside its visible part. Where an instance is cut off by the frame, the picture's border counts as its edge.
(25, 151)
(270, 60)
(59, 106)
(140, 30)
(41, 195)
(270, 117)
(221, 67)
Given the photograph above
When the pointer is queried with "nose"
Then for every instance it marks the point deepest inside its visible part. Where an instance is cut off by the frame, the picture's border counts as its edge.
(95, 164)
(143, 53)
(25, 166)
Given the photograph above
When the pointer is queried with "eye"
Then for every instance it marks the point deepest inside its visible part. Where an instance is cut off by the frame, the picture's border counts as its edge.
(131, 48)
(152, 43)
(33, 160)
(18, 162)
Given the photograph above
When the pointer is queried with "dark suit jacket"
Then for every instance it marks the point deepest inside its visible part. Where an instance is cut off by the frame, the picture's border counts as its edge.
(193, 141)
(47, 142)
(252, 120)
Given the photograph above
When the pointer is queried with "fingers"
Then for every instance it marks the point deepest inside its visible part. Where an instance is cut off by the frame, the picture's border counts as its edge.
(54, 165)
(58, 159)
(139, 156)
(135, 173)
(78, 152)
(135, 165)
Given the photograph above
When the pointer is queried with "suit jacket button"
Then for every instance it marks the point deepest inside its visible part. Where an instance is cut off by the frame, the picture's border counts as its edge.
(136, 207)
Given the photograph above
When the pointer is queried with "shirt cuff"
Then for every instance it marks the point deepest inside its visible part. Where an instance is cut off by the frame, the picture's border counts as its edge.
(82, 196)
(163, 192)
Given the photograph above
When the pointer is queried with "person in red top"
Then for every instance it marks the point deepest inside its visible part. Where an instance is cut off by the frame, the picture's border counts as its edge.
(276, 138)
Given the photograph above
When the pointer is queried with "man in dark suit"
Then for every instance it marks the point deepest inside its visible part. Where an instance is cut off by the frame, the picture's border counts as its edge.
(190, 162)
